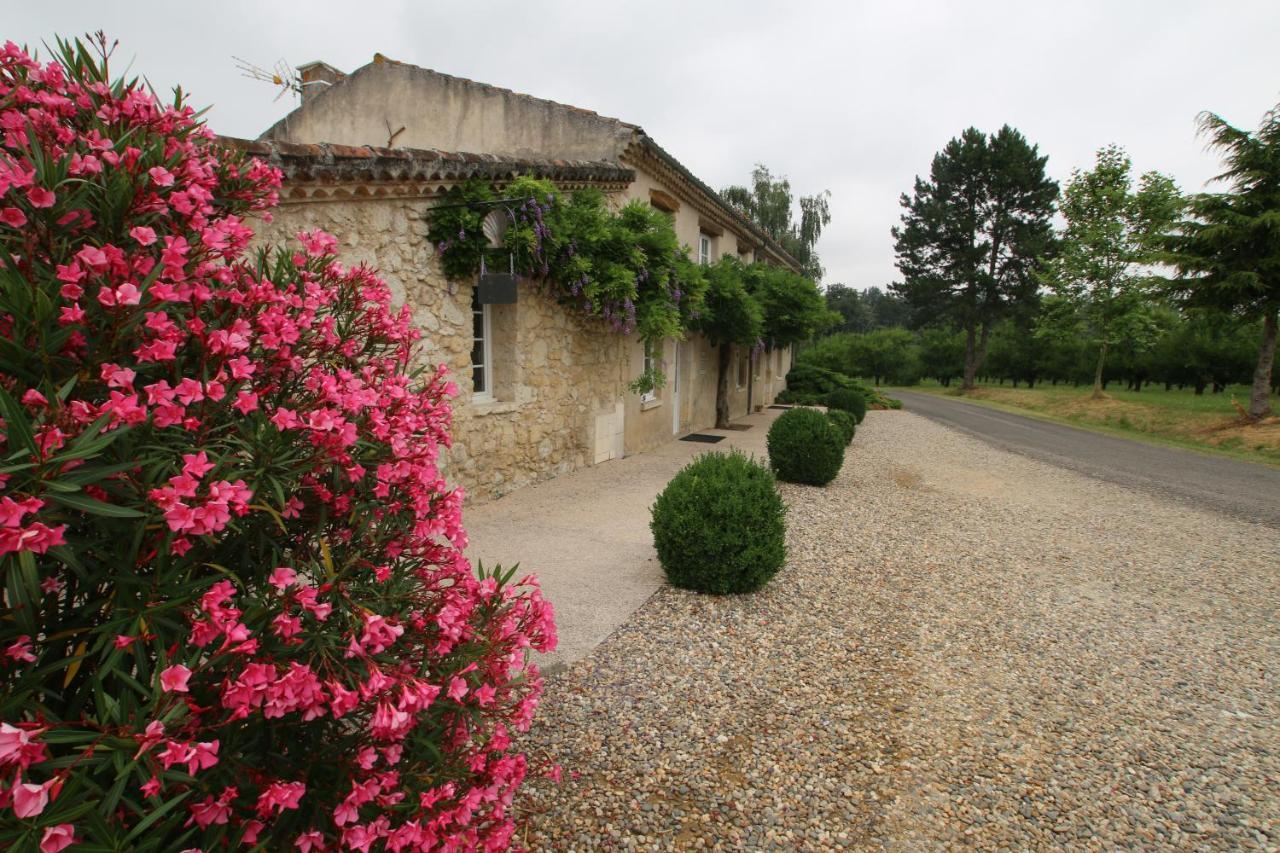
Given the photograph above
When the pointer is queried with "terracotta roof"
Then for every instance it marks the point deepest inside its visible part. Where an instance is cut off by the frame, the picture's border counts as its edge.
(327, 163)
(647, 143)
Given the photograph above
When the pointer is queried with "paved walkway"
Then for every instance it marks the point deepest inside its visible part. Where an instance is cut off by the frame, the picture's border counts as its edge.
(586, 534)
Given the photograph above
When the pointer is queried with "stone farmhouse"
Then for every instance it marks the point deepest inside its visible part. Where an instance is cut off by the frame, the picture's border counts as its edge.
(542, 390)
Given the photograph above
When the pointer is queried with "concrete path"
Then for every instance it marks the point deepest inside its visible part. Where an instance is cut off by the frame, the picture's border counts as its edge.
(586, 534)
(1244, 490)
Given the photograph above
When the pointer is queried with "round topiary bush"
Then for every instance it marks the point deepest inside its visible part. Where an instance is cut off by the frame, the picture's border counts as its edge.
(719, 525)
(844, 422)
(848, 400)
(805, 446)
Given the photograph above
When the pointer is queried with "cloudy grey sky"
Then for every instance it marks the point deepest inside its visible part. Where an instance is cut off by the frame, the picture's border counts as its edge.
(854, 97)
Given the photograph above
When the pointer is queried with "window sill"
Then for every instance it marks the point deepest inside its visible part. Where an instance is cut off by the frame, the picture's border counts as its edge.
(480, 408)
(646, 405)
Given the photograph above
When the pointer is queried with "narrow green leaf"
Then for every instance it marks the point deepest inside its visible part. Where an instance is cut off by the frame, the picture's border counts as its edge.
(84, 503)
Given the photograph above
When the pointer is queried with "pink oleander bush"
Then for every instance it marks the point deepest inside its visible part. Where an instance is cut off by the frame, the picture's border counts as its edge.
(235, 606)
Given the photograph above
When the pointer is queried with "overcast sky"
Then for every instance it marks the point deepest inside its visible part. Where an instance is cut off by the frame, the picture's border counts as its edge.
(854, 97)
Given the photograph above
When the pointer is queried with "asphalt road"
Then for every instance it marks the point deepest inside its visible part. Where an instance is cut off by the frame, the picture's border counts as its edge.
(1244, 490)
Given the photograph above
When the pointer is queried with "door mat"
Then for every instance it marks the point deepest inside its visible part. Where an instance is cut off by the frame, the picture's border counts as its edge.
(703, 437)
(739, 427)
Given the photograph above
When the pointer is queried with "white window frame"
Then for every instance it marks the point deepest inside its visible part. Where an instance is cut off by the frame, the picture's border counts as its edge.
(486, 367)
(648, 364)
(704, 248)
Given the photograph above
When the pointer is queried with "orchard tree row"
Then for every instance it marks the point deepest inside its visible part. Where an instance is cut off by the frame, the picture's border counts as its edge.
(1140, 283)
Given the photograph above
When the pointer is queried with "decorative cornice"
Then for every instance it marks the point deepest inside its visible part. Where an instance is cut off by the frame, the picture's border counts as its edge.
(328, 172)
(706, 201)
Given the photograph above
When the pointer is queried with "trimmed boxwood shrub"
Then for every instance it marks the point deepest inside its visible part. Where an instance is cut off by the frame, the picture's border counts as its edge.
(805, 446)
(719, 525)
(844, 422)
(848, 400)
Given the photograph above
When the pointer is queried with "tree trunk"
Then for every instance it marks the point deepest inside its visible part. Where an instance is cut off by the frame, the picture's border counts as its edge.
(1097, 373)
(1200, 383)
(1260, 396)
(970, 362)
(722, 387)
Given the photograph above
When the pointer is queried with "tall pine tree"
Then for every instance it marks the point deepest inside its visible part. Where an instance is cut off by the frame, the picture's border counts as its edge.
(973, 233)
(1228, 250)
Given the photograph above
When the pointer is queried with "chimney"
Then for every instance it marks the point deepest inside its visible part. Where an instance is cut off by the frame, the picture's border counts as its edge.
(316, 77)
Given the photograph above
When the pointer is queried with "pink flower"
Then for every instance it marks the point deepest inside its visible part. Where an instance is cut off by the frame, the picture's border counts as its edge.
(93, 258)
(123, 641)
(252, 828)
(58, 837)
(308, 841)
(161, 176)
(125, 294)
(174, 679)
(18, 747)
(150, 788)
(41, 197)
(246, 402)
(13, 217)
(283, 577)
(128, 294)
(279, 796)
(203, 756)
(196, 464)
(20, 649)
(144, 235)
(29, 799)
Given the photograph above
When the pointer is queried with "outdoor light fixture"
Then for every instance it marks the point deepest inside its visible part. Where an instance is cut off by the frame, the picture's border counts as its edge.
(496, 288)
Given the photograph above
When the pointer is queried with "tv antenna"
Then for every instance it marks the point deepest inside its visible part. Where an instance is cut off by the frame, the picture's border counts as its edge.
(282, 75)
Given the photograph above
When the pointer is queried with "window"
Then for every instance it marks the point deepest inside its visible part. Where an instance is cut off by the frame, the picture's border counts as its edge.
(742, 370)
(777, 354)
(758, 363)
(649, 366)
(481, 350)
(704, 249)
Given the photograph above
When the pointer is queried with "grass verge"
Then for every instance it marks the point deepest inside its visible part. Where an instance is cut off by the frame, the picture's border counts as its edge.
(1207, 422)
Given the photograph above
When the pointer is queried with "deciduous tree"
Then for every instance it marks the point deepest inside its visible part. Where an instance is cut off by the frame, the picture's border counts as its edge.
(731, 315)
(1101, 273)
(769, 203)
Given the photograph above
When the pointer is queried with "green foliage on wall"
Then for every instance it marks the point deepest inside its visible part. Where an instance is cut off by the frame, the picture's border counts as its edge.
(624, 267)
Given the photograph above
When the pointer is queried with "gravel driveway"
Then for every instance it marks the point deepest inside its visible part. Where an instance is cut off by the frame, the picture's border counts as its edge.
(967, 648)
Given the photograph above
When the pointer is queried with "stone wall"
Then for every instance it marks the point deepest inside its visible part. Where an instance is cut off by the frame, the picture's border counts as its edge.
(559, 379)
(396, 104)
